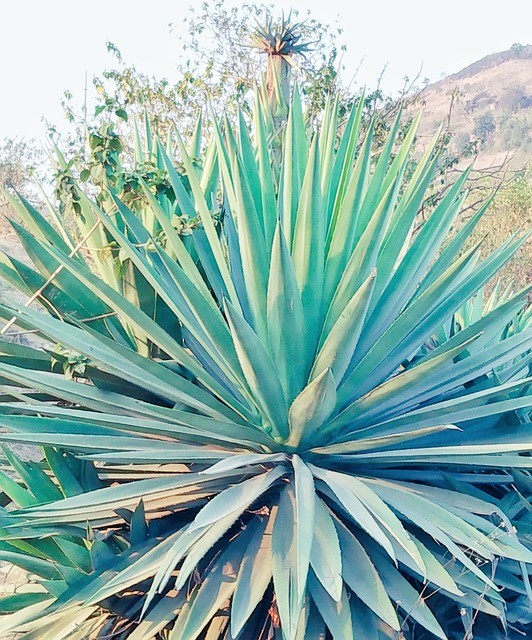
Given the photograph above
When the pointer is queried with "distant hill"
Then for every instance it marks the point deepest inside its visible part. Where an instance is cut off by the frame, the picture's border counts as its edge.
(491, 108)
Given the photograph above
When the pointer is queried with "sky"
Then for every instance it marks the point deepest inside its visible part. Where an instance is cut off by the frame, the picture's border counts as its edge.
(49, 47)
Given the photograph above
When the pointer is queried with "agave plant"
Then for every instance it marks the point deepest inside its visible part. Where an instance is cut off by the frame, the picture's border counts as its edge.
(279, 42)
(294, 456)
(473, 311)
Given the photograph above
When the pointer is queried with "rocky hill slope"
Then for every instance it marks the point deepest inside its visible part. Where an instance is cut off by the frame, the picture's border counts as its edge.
(488, 106)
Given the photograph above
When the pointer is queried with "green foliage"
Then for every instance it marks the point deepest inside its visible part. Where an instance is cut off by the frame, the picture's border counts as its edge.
(484, 128)
(516, 133)
(269, 429)
(20, 162)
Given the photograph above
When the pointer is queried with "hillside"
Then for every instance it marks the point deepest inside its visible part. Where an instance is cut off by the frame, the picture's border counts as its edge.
(488, 106)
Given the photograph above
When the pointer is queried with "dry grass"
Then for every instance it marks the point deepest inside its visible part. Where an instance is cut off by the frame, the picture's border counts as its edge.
(510, 212)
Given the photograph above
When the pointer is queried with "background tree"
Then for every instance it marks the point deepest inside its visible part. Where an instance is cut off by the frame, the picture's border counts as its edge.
(484, 128)
(21, 167)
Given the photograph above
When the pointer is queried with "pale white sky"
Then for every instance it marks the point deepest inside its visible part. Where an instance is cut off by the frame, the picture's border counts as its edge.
(48, 47)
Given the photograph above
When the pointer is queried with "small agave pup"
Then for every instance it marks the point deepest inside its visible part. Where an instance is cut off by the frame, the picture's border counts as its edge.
(292, 461)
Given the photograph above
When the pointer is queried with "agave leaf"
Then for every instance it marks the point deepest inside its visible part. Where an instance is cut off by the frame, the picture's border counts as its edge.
(153, 455)
(362, 260)
(252, 176)
(255, 573)
(344, 492)
(243, 460)
(458, 450)
(78, 298)
(209, 328)
(235, 262)
(154, 421)
(315, 628)
(260, 371)
(139, 151)
(291, 547)
(325, 557)
(343, 225)
(61, 629)
(434, 570)
(138, 319)
(300, 132)
(215, 589)
(292, 171)
(14, 272)
(32, 564)
(253, 250)
(338, 346)
(336, 614)
(416, 260)
(408, 599)
(20, 496)
(159, 616)
(452, 249)
(436, 302)
(19, 618)
(105, 501)
(399, 235)
(460, 373)
(382, 180)
(210, 180)
(460, 409)
(29, 282)
(423, 513)
(381, 512)
(149, 146)
(130, 568)
(167, 279)
(195, 140)
(176, 244)
(327, 146)
(365, 621)
(250, 232)
(36, 222)
(33, 477)
(203, 210)
(343, 160)
(311, 408)
(305, 501)
(16, 601)
(192, 547)
(488, 328)
(266, 176)
(120, 361)
(408, 386)
(58, 463)
(10, 542)
(307, 246)
(356, 444)
(286, 326)
(79, 556)
(398, 164)
(487, 461)
(235, 498)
